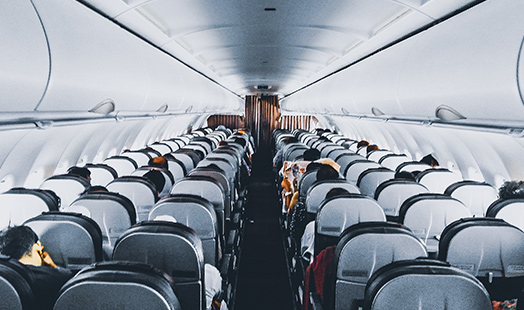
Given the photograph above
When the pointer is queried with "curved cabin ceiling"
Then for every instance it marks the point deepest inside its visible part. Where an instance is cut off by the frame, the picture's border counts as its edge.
(285, 45)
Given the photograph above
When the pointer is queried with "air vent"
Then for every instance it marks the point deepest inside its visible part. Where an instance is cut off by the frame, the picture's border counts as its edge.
(270, 9)
(263, 87)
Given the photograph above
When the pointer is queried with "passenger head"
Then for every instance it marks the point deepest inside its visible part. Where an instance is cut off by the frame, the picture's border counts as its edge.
(313, 166)
(362, 143)
(337, 191)
(329, 162)
(82, 172)
(406, 175)
(371, 148)
(430, 160)
(95, 189)
(21, 243)
(326, 172)
(157, 178)
(240, 141)
(159, 162)
(311, 154)
(223, 143)
(512, 189)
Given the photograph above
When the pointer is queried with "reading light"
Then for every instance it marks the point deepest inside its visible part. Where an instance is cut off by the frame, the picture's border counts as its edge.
(376, 111)
(447, 113)
(162, 109)
(105, 107)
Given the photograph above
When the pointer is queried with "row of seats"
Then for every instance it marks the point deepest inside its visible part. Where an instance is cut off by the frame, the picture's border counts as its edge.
(427, 208)
(204, 195)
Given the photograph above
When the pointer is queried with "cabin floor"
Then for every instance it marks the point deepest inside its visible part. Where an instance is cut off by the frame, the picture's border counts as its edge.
(263, 281)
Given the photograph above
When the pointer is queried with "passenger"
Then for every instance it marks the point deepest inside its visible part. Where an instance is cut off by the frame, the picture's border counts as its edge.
(320, 278)
(292, 173)
(430, 160)
(511, 189)
(158, 179)
(362, 143)
(159, 162)
(21, 243)
(94, 189)
(330, 162)
(370, 148)
(82, 172)
(406, 175)
(327, 172)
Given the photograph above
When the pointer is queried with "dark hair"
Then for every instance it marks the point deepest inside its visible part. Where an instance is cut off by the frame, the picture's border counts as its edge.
(223, 143)
(94, 189)
(362, 143)
(311, 154)
(371, 148)
(512, 189)
(326, 172)
(17, 241)
(240, 141)
(337, 191)
(405, 175)
(160, 162)
(157, 178)
(313, 166)
(79, 171)
(430, 160)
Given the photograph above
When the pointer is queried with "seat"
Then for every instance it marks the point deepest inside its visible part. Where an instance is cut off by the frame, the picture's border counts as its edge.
(356, 167)
(161, 147)
(73, 240)
(318, 190)
(428, 214)
(139, 190)
(392, 161)
(219, 176)
(426, 285)
(392, 193)
(334, 153)
(141, 157)
(101, 174)
(67, 187)
(176, 167)
(169, 180)
(19, 204)
(510, 210)
(329, 149)
(185, 159)
(172, 144)
(364, 248)
(305, 182)
(114, 213)
(489, 249)
(15, 286)
(411, 166)
(337, 213)
(118, 285)
(173, 248)
(476, 196)
(370, 179)
(376, 155)
(436, 180)
(344, 160)
(194, 212)
(195, 154)
(123, 165)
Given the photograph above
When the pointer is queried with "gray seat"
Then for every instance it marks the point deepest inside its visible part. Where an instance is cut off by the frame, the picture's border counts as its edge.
(510, 210)
(476, 196)
(123, 165)
(344, 160)
(101, 174)
(318, 190)
(370, 179)
(428, 214)
(185, 159)
(168, 177)
(364, 248)
(340, 212)
(391, 194)
(436, 180)
(118, 285)
(139, 190)
(140, 157)
(173, 248)
(196, 213)
(67, 187)
(490, 250)
(161, 147)
(334, 153)
(410, 166)
(19, 204)
(377, 155)
(305, 182)
(425, 285)
(357, 167)
(73, 240)
(114, 213)
(15, 286)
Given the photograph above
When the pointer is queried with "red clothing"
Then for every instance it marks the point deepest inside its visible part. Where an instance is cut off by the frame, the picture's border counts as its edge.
(319, 277)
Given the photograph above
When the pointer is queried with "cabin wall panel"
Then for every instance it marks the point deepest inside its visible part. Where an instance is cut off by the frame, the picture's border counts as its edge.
(24, 56)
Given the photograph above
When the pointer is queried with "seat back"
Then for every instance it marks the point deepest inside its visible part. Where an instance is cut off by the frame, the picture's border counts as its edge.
(391, 194)
(123, 165)
(437, 179)
(355, 168)
(329, 149)
(173, 248)
(67, 187)
(392, 161)
(141, 157)
(344, 160)
(118, 285)
(196, 213)
(364, 248)
(378, 154)
(410, 166)
(73, 240)
(161, 147)
(426, 285)
(114, 213)
(139, 190)
(305, 182)
(370, 179)
(318, 190)
(220, 177)
(489, 249)
(510, 210)
(340, 212)
(184, 159)
(15, 286)
(428, 214)
(101, 174)
(476, 196)
(168, 177)
(335, 153)
(20, 204)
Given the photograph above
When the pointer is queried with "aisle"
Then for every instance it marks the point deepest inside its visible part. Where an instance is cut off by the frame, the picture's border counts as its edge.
(262, 276)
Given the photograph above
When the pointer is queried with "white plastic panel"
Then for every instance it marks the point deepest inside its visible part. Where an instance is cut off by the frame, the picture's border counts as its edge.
(24, 57)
